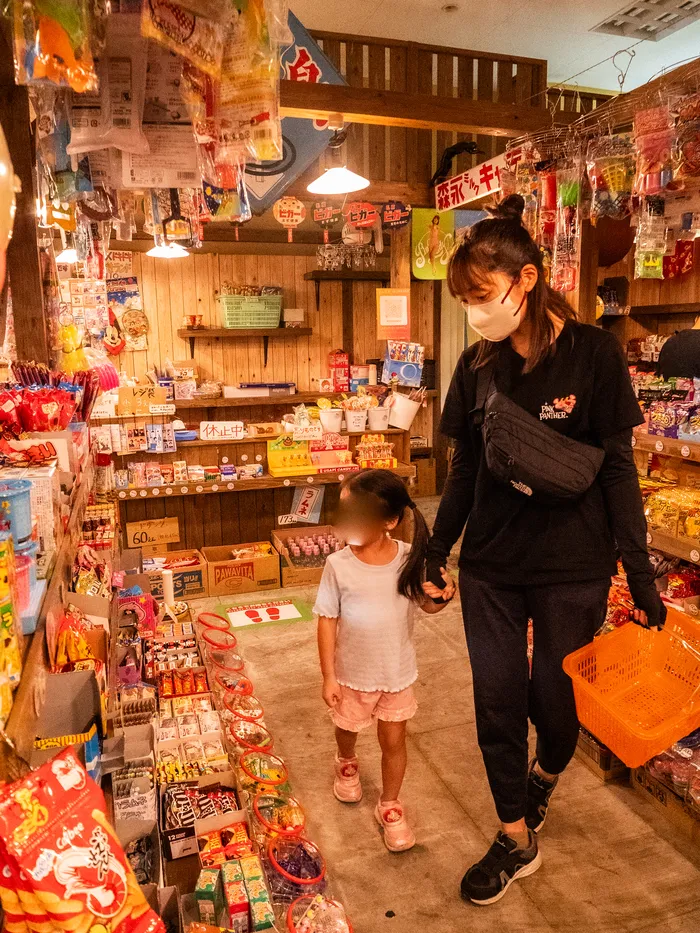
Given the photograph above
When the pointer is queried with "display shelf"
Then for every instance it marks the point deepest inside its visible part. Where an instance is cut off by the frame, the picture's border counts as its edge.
(266, 481)
(260, 439)
(348, 275)
(685, 548)
(691, 307)
(31, 693)
(239, 333)
(684, 450)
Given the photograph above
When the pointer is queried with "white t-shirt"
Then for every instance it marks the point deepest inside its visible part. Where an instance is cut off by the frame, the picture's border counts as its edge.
(374, 645)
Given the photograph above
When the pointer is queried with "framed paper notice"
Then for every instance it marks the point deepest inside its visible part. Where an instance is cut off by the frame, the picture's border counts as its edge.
(393, 314)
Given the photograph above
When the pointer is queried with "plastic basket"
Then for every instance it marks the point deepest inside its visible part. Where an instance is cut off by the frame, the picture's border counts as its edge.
(262, 311)
(638, 691)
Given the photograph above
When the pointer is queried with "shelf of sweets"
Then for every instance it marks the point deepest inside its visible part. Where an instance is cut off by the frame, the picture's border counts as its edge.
(30, 695)
(248, 401)
(685, 548)
(265, 481)
(255, 439)
(684, 450)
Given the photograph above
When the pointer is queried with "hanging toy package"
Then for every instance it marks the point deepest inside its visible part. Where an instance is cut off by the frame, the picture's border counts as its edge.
(653, 141)
(113, 117)
(611, 168)
(526, 185)
(686, 155)
(278, 22)
(565, 258)
(651, 240)
(53, 42)
(197, 38)
(547, 186)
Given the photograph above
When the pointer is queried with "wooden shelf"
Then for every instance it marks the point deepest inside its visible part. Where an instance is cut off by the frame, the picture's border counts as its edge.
(243, 485)
(347, 275)
(240, 333)
(684, 450)
(685, 548)
(31, 693)
(261, 439)
(691, 307)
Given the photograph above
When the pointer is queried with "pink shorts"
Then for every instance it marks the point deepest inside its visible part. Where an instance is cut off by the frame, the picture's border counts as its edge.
(358, 709)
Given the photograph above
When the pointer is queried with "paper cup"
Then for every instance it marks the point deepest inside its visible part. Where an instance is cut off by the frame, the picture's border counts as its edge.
(331, 419)
(356, 420)
(403, 411)
(378, 418)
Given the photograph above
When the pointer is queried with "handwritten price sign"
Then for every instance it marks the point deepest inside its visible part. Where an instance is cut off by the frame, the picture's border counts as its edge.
(137, 400)
(152, 532)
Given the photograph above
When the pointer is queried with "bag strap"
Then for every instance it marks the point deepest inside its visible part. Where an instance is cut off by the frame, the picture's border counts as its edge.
(484, 389)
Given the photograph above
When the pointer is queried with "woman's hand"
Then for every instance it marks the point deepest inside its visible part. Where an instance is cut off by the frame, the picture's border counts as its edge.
(331, 692)
(434, 592)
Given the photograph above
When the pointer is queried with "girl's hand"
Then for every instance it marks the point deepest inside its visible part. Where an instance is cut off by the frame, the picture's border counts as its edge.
(331, 692)
(434, 592)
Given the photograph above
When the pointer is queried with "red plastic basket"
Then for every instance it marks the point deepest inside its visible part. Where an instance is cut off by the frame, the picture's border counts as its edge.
(638, 691)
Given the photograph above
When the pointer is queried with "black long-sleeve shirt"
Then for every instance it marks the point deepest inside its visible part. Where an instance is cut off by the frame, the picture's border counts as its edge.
(583, 390)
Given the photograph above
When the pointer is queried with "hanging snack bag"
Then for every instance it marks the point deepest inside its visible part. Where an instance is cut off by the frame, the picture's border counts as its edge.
(63, 864)
(611, 169)
(198, 39)
(653, 142)
(686, 155)
(53, 43)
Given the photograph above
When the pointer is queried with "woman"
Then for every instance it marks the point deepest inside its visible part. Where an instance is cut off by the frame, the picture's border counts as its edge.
(523, 559)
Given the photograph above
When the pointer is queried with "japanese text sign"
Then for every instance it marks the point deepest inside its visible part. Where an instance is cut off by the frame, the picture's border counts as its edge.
(475, 183)
(221, 430)
(137, 400)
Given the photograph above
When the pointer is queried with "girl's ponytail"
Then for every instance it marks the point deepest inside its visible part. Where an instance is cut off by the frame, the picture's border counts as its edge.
(411, 578)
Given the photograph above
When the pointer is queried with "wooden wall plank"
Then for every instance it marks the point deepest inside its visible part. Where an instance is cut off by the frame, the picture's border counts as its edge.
(354, 65)
(445, 88)
(419, 151)
(398, 170)
(377, 136)
(465, 91)
(485, 91)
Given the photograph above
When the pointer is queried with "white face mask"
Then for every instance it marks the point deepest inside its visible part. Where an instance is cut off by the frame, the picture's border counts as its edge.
(495, 320)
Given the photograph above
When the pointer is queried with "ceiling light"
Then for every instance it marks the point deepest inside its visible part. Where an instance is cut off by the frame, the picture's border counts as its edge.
(338, 181)
(68, 255)
(650, 19)
(171, 251)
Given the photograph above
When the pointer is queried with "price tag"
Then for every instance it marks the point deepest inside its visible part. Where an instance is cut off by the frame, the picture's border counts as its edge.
(288, 519)
(152, 531)
(634, 441)
(685, 451)
(137, 400)
(659, 445)
(649, 538)
(695, 556)
(310, 432)
(167, 409)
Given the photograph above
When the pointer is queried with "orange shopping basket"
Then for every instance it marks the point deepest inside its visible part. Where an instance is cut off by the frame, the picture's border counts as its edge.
(638, 691)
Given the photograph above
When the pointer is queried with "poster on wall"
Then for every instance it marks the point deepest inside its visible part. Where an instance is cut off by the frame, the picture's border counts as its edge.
(432, 242)
(124, 300)
(393, 313)
(304, 140)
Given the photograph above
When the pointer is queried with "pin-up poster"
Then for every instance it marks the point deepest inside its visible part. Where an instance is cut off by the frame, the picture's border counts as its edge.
(433, 236)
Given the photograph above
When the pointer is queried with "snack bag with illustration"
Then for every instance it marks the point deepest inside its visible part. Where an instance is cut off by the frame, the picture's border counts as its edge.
(54, 42)
(63, 866)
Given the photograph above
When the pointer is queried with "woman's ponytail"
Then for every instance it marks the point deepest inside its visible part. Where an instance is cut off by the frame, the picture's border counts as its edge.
(411, 578)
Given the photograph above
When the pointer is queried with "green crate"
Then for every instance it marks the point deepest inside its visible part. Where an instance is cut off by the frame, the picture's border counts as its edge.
(262, 311)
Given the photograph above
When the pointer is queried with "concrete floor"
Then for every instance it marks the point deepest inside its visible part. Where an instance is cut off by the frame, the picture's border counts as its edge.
(612, 864)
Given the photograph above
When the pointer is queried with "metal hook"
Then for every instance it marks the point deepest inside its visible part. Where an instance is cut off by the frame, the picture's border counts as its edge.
(622, 73)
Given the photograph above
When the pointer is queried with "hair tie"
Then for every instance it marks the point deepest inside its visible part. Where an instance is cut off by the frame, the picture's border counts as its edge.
(411, 504)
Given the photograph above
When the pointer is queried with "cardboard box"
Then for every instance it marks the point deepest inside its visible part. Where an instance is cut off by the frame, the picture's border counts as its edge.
(187, 582)
(599, 759)
(291, 575)
(683, 815)
(181, 842)
(227, 576)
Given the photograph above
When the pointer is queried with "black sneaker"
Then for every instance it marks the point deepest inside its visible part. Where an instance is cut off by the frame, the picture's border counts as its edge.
(488, 880)
(538, 793)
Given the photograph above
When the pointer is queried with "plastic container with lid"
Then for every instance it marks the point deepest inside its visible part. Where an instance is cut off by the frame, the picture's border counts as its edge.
(277, 814)
(29, 549)
(249, 737)
(15, 508)
(295, 867)
(247, 708)
(238, 684)
(225, 659)
(261, 771)
(213, 620)
(315, 912)
(23, 566)
(213, 639)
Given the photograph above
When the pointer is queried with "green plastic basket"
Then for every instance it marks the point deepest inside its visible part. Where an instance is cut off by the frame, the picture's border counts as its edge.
(262, 311)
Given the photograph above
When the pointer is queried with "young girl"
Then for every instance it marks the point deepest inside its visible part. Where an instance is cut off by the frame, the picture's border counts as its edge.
(365, 636)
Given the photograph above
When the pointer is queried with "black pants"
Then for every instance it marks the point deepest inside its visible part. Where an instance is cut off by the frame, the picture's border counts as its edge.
(565, 617)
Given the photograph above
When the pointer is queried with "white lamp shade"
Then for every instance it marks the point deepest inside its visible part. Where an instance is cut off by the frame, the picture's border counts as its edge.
(172, 251)
(338, 181)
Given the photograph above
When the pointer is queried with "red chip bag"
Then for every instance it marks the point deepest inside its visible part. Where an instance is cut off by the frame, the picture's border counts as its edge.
(62, 865)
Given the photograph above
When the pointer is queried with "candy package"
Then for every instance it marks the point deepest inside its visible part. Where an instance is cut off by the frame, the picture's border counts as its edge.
(196, 38)
(62, 860)
(53, 42)
(653, 142)
(611, 169)
(565, 261)
(686, 154)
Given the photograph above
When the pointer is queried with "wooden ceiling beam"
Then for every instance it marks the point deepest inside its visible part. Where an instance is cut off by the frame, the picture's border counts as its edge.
(416, 111)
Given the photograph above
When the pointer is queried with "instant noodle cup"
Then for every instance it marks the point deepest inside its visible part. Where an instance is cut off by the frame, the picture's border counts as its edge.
(307, 911)
(247, 708)
(295, 868)
(250, 736)
(213, 620)
(277, 814)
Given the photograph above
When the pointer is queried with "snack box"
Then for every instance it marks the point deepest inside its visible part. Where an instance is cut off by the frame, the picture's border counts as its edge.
(209, 895)
(256, 568)
(182, 841)
(291, 575)
(188, 581)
